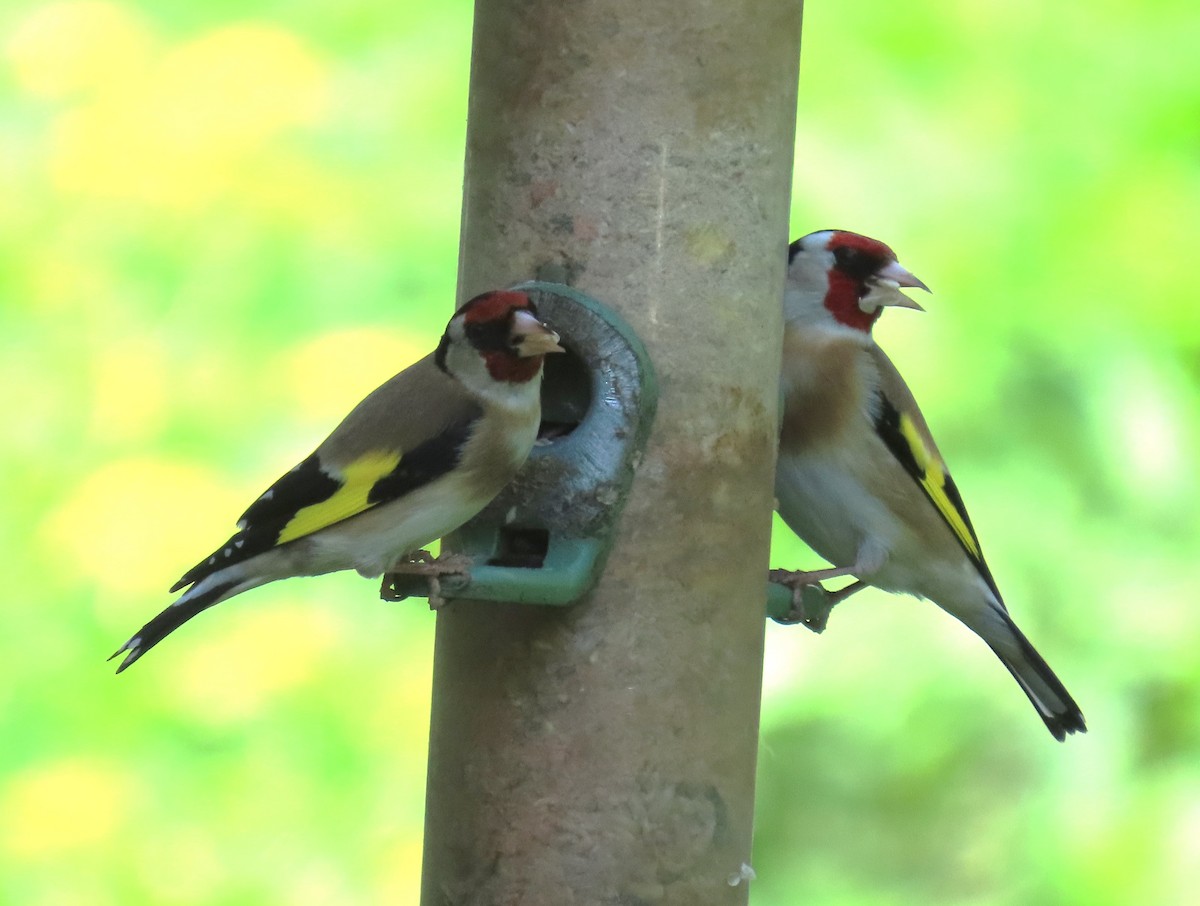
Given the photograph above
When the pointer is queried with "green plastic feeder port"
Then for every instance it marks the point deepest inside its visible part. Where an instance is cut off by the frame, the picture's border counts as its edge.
(545, 538)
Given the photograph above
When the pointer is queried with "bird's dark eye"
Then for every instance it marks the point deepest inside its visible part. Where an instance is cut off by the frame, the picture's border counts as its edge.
(847, 257)
(855, 262)
(488, 335)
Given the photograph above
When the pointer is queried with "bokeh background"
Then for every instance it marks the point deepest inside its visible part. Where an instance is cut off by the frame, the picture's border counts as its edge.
(221, 223)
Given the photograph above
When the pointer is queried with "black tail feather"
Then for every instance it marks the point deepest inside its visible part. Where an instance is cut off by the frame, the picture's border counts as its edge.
(168, 621)
(1054, 703)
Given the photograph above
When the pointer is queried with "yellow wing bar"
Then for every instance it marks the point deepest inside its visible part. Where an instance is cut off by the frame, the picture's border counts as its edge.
(935, 480)
(357, 480)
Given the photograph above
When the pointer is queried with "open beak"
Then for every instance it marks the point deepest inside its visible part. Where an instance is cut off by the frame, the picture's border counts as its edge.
(531, 337)
(898, 277)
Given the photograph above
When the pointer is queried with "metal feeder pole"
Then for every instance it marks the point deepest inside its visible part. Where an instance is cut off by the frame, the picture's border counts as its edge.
(604, 753)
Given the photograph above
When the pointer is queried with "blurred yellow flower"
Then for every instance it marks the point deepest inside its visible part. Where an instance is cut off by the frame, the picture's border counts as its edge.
(90, 47)
(327, 375)
(399, 877)
(59, 806)
(234, 88)
(179, 124)
(232, 675)
(128, 381)
(130, 527)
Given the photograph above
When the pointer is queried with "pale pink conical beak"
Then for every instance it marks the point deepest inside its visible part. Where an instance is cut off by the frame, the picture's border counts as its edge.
(532, 337)
(902, 277)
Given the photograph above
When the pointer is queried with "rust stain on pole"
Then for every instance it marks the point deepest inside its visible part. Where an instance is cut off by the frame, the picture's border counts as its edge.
(605, 753)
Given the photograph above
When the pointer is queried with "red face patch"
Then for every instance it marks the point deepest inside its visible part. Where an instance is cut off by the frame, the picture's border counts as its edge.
(841, 299)
(504, 366)
(856, 261)
(494, 306)
(865, 244)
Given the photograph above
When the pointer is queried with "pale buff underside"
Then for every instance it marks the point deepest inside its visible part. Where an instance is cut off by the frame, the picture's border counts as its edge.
(842, 490)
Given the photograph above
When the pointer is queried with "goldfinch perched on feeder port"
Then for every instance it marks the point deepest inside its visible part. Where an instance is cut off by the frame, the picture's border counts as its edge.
(860, 479)
(413, 461)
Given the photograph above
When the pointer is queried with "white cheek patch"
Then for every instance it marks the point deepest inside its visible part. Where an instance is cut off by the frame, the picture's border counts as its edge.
(870, 302)
(877, 297)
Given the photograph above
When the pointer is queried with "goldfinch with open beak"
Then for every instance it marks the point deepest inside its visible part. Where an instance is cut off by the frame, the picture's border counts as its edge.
(417, 458)
(860, 479)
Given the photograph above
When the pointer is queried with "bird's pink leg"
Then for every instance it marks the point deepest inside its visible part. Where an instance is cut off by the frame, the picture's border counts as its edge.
(812, 609)
(794, 578)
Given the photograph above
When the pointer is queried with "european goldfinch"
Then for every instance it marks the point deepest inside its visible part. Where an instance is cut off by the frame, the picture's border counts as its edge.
(860, 479)
(417, 458)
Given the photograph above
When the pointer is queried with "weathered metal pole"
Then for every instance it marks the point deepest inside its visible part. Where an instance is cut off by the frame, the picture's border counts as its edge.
(605, 753)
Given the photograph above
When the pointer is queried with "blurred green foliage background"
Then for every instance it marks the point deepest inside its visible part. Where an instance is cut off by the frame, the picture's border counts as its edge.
(222, 223)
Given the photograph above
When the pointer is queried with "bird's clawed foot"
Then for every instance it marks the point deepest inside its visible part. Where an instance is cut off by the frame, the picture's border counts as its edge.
(422, 563)
(809, 599)
(811, 602)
